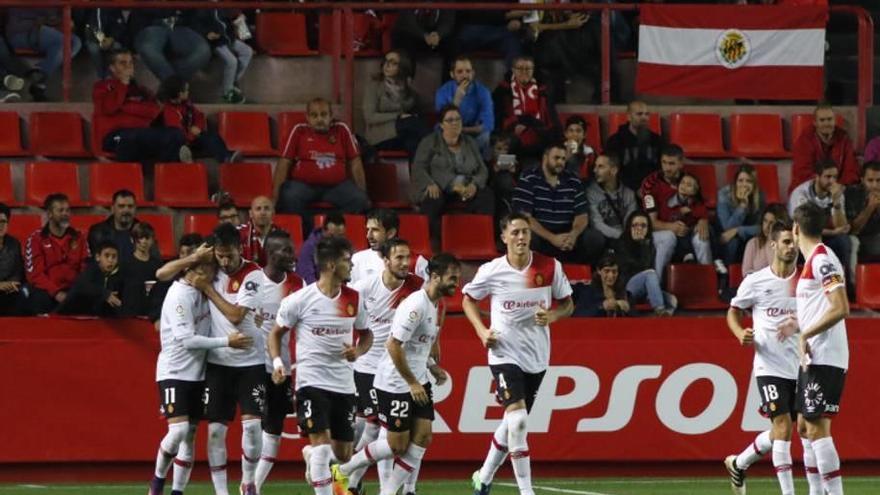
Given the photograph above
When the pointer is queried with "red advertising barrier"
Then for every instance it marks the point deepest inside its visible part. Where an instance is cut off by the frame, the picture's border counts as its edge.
(618, 390)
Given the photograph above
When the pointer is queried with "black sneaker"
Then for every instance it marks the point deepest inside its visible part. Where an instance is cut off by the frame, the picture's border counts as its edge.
(737, 476)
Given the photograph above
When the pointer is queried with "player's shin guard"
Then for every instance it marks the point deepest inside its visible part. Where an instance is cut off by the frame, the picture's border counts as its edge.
(497, 454)
(319, 467)
(271, 444)
(755, 451)
(217, 457)
(168, 448)
(183, 463)
(782, 464)
(403, 466)
(814, 480)
(517, 426)
(828, 463)
(251, 445)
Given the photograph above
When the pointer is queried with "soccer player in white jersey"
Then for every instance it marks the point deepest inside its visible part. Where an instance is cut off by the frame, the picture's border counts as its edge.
(381, 226)
(262, 292)
(522, 285)
(406, 407)
(822, 307)
(769, 293)
(185, 325)
(324, 317)
(382, 294)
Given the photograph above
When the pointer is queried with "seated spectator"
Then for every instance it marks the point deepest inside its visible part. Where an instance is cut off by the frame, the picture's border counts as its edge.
(636, 254)
(424, 31)
(739, 213)
(610, 201)
(391, 107)
(117, 228)
(11, 268)
(124, 113)
(758, 253)
(636, 146)
(139, 274)
(39, 29)
(579, 154)
(227, 212)
(863, 213)
(13, 72)
(320, 162)
(97, 291)
(448, 169)
(823, 141)
(219, 28)
(555, 202)
(494, 30)
(306, 265)
(687, 207)
(103, 30)
(523, 108)
(504, 167)
(258, 227)
(54, 256)
(872, 150)
(473, 100)
(605, 295)
(179, 112)
(187, 246)
(566, 46)
(159, 33)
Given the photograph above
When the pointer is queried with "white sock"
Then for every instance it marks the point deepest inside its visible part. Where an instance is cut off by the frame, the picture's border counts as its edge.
(183, 463)
(755, 451)
(360, 423)
(385, 466)
(497, 454)
(251, 445)
(828, 463)
(369, 435)
(403, 466)
(517, 430)
(168, 448)
(370, 454)
(782, 463)
(217, 457)
(319, 466)
(271, 444)
(409, 486)
(813, 478)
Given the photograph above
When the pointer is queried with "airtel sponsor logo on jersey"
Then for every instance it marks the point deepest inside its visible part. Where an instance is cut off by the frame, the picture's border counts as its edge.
(320, 331)
(512, 305)
(773, 312)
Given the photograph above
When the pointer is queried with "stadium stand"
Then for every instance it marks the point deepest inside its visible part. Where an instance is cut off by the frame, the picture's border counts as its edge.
(57, 134)
(182, 185)
(44, 178)
(246, 181)
(248, 132)
(107, 178)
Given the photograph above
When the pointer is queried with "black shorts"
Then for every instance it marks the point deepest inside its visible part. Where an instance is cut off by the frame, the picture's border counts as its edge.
(397, 411)
(181, 398)
(318, 410)
(512, 384)
(279, 403)
(819, 390)
(777, 396)
(367, 403)
(226, 386)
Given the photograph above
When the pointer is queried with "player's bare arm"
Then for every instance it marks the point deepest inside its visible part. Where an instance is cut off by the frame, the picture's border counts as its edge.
(395, 351)
(437, 372)
(273, 342)
(364, 342)
(168, 271)
(472, 310)
(544, 316)
(233, 312)
(838, 311)
(745, 336)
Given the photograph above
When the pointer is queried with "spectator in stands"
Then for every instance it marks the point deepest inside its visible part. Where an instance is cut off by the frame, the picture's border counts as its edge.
(610, 201)
(117, 228)
(494, 30)
(13, 72)
(504, 168)
(391, 107)
(103, 30)
(566, 46)
(39, 29)
(448, 169)
(218, 27)
(160, 32)
(320, 162)
(555, 202)
(54, 256)
(686, 208)
(124, 113)
(186, 247)
(473, 100)
(139, 274)
(97, 290)
(636, 146)
(523, 107)
(758, 253)
(227, 212)
(423, 31)
(863, 212)
(254, 232)
(605, 295)
(579, 154)
(872, 150)
(306, 265)
(637, 256)
(11, 268)
(823, 141)
(179, 112)
(739, 212)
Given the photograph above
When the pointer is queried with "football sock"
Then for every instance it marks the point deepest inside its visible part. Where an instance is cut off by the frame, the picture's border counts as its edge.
(168, 448)
(183, 463)
(271, 444)
(497, 454)
(251, 445)
(369, 435)
(409, 486)
(385, 466)
(828, 463)
(319, 467)
(217, 457)
(360, 423)
(517, 426)
(814, 480)
(403, 466)
(372, 453)
(755, 451)
(782, 463)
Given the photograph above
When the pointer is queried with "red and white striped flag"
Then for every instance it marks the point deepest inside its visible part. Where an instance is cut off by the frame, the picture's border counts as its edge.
(718, 51)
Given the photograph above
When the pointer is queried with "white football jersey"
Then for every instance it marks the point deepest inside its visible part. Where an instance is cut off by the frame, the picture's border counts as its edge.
(516, 296)
(421, 268)
(323, 326)
(228, 287)
(771, 299)
(380, 304)
(416, 325)
(365, 264)
(185, 313)
(821, 275)
(263, 297)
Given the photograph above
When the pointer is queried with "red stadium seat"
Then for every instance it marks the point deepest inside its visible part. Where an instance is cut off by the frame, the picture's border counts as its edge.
(7, 190)
(10, 135)
(734, 275)
(44, 178)
(355, 229)
(383, 187)
(107, 178)
(708, 183)
(577, 273)
(617, 119)
(199, 223)
(594, 131)
(802, 121)
(246, 181)
(768, 179)
(757, 135)
(698, 133)
(454, 303)
(414, 228)
(247, 132)
(283, 34)
(164, 227)
(695, 286)
(286, 122)
(293, 225)
(182, 185)
(367, 38)
(21, 226)
(868, 285)
(57, 134)
(470, 237)
(84, 222)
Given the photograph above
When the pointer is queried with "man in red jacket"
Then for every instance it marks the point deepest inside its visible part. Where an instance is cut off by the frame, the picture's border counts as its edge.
(54, 256)
(123, 114)
(253, 233)
(822, 141)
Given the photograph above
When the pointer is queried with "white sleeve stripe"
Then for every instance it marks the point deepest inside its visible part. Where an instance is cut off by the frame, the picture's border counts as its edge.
(290, 137)
(350, 136)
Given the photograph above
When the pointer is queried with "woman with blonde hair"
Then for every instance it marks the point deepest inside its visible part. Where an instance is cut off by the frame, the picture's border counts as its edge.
(739, 213)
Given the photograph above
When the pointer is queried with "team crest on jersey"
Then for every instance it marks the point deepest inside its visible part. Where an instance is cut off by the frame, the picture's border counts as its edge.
(349, 309)
(733, 49)
(235, 285)
(539, 280)
(413, 316)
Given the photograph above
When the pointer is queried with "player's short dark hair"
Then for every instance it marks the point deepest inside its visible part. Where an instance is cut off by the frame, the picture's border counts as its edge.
(673, 150)
(824, 164)
(390, 244)
(508, 219)
(576, 120)
(226, 204)
(441, 263)
(779, 226)
(105, 244)
(279, 235)
(123, 193)
(226, 235)
(330, 249)
(872, 166)
(810, 219)
(54, 198)
(335, 217)
(387, 218)
(5, 210)
(192, 240)
(141, 230)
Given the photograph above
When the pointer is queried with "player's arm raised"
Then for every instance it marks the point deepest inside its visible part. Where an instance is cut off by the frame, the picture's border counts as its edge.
(395, 351)
(168, 271)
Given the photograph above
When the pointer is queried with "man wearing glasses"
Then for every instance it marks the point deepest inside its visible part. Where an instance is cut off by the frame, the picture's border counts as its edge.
(524, 109)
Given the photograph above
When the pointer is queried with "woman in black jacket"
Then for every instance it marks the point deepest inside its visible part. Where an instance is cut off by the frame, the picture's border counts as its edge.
(605, 295)
(636, 254)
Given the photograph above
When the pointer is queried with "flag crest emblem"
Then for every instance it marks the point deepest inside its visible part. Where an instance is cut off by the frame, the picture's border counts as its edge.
(733, 49)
